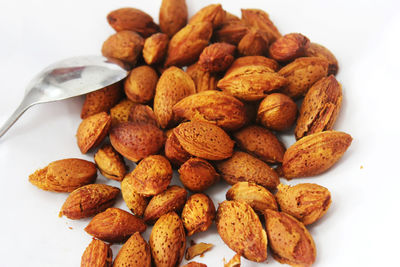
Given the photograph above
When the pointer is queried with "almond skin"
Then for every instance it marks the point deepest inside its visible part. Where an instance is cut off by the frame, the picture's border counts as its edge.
(202, 79)
(231, 32)
(132, 19)
(168, 241)
(173, 85)
(64, 175)
(92, 131)
(204, 140)
(306, 202)
(244, 167)
(197, 174)
(89, 200)
(289, 240)
(241, 229)
(124, 45)
(173, 16)
(134, 253)
(261, 143)
(211, 13)
(301, 74)
(289, 47)
(134, 201)
(314, 154)
(259, 20)
(317, 50)
(175, 152)
(115, 225)
(136, 141)
(198, 214)
(110, 163)
(140, 85)
(97, 254)
(151, 176)
(155, 48)
(320, 107)
(215, 107)
(253, 61)
(254, 43)
(120, 112)
(217, 57)
(172, 199)
(142, 114)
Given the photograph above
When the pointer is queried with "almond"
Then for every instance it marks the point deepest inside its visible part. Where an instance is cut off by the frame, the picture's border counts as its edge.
(134, 201)
(97, 254)
(155, 48)
(64, 175)
(197, 249)
(211, 13)
(134, 253)
(214, 107)
(89, 200)
(174, 151)
(231, 32)
(92, 131)
(217, 57)
(203, 80)
(289, 240)
(204, 140)
(120, 112)
(173, 16)
(197, 174)
(261, 143)
(168, 241)
(110, 163)
(317, 50)
(198, 214)
(253, 61)
(140, 85)
(289, 47)
(254, 43)
(132, 19)
(173, 85)
(302, 73)
(115, 225)
(172, 199)
(306, 202)
(124, 45)
(241, 229)
(255, 195)
(142, 114)
(314, 154)
(229, 17)
(260, 20)
(244, 167)
(320, 107)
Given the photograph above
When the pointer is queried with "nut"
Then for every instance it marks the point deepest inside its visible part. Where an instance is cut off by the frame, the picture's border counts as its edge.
(155, 48)
(173, 16)
(92, 131)
(174, 151)
(211, 13)
(140, 85)
(231, 32)
(197, 174)
(259, 20)
(110, 163)
(97, 254)
(197, 249)
(253, 61)
(203, 80)
(134, 201)
(317, 50)
(217, 57)
(254, 43)
(142, 114)
(120, 112)
(289, 47)
(134, 253)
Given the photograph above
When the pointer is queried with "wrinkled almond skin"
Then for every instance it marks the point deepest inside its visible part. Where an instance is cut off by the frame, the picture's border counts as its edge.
(241, 229)
(204, 140)
(97, 254)
(211, 13)
(202, 79)
(101, 100)
(151, 176)
(64, 175)
(320, 107)
(172, 199)
(259, 20)
(302, 73)
(261, 143)
(186, 45)
(255, 195)
(142, 114)
(197, 174)
(168, 241)
(306, 202)
(251, 83)
(254, 43)
(173, 85)
(253, 61)
(217, 57)
(120, 112)
(173, 16)
(174, 151)
(134, 253)
(243, 167)
(133, 200)
(132, 19)
(92, 131)
(317, 50)
(314, 154)
(277, 112)
(115, 225)
(289, 240)
(231, 32)
(198, 214)
(136, 141)
(124, 45)
(155, 48)
(110, 163)
(289, 47)
(215, 107)
(140, 85)
(89, 200)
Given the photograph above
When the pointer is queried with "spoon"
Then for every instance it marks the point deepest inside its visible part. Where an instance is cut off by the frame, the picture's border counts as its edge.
(68, 78)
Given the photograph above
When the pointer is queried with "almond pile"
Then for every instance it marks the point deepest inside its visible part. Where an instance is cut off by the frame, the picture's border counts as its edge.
(207, 97)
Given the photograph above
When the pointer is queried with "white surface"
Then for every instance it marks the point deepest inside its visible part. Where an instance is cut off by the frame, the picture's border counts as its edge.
(361, 227)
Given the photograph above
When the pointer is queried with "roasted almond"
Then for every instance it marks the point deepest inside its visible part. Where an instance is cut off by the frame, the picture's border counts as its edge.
(253, 61)
(133, 200)
(254, 43)
(231, 32)
(155, 48)
(140, 85)
(197, 174)
(217, 57)
(289, 47)
(174, 151)
(211, 13)
(142, 114)
(203, 80)
(260, 20)
(198, 214)
(120, 112)
(92, 131)
(173, 16)
(124, 45)
(97, 254)
(317, 50)
(110, 163)
(134, 253)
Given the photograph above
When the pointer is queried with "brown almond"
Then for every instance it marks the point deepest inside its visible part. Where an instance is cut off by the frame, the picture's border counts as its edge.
(173, 16)
(64, 175)
(197, 249)
(253, 61)
(174, 151)
(115, 225)
(260, 20)
(140, 85)
(289, 47)
(198, 214)
(197, 174)
(211, 13)
(134, 253)
(155, 48)
(217, 57)
(124, 45)
(231, 32)
(229, 17)
(97, 254)
(317, 50)
(244, 167)
(133, 200)
(132, 19)
(203, 80)
(315, 153)
(320, 107)
(142, 114)
(110, 163)
(92, 131)
(254, 43)
(120, 112)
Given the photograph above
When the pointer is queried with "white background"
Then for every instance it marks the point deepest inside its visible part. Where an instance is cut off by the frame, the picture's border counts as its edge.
(361, 227)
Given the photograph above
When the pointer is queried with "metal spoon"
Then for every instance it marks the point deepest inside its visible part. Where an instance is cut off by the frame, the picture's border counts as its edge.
(68, 78)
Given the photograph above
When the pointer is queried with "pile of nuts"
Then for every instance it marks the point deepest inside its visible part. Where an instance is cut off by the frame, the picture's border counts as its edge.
(217, 118)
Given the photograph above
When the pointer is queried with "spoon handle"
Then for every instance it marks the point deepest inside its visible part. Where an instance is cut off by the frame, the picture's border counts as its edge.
(25, 104)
